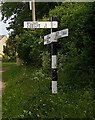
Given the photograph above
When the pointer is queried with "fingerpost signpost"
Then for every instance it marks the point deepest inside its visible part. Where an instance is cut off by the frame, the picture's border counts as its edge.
(51, 39)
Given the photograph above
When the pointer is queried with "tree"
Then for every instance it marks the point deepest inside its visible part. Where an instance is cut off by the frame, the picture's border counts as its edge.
(76, 50)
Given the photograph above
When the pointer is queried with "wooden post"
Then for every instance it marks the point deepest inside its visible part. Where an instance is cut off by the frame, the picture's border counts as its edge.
(33, 10)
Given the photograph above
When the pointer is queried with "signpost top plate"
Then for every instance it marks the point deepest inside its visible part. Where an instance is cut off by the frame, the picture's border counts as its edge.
(41, 24)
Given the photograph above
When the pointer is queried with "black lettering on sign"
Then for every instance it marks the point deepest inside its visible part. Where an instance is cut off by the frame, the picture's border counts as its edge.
(29, 25)
(45, 26)
(45, 40)
(48, 41)
(64, 32)
(56, 35)
(36, 25)
(48, 36)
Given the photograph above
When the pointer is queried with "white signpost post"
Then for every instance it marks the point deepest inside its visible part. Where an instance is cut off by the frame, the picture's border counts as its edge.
(53, 39)
(41, 24)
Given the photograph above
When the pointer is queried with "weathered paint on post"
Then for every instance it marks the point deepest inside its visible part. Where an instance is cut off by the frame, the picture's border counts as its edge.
(54, 61)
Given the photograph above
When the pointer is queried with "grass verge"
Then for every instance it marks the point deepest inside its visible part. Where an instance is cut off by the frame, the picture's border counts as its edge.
(28, 95)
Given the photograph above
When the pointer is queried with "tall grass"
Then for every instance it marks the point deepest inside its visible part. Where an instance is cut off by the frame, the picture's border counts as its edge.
(28, 95)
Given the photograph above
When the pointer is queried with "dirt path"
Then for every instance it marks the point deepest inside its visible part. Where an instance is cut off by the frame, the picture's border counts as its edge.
(1, 87)
(1, 84)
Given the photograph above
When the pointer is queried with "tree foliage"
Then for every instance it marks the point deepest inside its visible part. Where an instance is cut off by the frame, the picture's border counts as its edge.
(76, 50)
(18, 13)
(30, 47)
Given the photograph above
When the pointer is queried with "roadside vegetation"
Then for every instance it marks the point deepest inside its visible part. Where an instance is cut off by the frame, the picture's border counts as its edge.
(28, 87)
(27, 94)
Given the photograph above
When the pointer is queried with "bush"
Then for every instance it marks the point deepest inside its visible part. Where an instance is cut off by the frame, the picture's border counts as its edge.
(30, 48)
(6, 58)
(46, 62)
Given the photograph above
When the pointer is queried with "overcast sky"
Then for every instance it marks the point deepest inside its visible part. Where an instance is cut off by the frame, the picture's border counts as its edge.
(3, 26)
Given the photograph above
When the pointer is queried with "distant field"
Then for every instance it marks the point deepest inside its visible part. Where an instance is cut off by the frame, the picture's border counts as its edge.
(27, 94)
